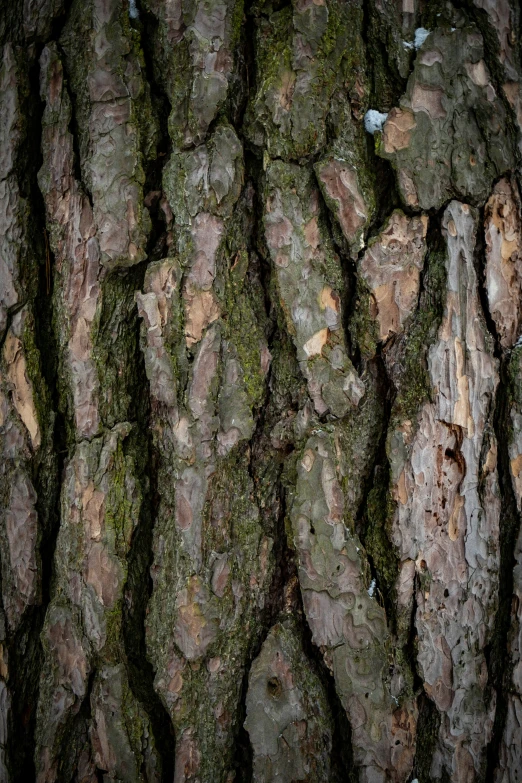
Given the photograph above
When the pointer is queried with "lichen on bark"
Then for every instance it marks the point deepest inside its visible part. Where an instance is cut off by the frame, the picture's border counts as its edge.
(260, 309)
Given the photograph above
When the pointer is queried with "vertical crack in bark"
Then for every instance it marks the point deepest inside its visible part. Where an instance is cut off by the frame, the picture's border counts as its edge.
(387, 82)
(158, 243)
(285, 596)
(498, 650)
(25, 650)
(493, 59)
(271, 452)
(427, 733)
(343, 768)
(138, 588)
(98, 333)
(407, 383)
(269, 499)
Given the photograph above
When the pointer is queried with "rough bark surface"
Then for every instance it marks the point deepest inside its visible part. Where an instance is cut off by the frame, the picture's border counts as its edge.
(260, 391)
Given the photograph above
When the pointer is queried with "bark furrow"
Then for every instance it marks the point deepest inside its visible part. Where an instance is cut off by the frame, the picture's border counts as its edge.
(260, 409)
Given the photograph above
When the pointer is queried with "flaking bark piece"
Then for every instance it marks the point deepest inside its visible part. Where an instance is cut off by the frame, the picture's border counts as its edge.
(446, 524)
(20, 438)
(503, 227)
(449, 137)
(347, 622)
(11, 204)
(195, 45)
(340, 186)
(299, 53)
(346, 175)
(288, 718)
(82, 632)
(105, 76)
(391, 269)
(310, 284)
(208, 178)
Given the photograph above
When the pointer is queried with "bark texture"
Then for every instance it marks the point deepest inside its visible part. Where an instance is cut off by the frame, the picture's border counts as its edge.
(260, 391)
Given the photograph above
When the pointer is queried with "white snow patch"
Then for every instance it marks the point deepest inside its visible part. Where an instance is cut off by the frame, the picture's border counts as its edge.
(133, 10)
(374, 120)
(420, 36)
(518, 342)
(415, 781)
(371, 589)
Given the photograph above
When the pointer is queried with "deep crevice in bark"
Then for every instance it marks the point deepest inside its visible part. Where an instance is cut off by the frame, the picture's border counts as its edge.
(138, 590)
(342, 763)
(25, 650)
(26, 646)
(76, 737)
(427, 731)
(284, 573)
(259, 444)
(491, 56)
(284, 594)
(498, 652)
(481, 18)
(377, 48)
(377, 484)
(157, 245)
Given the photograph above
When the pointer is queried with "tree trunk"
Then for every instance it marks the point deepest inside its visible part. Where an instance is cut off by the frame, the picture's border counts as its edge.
(260, 391)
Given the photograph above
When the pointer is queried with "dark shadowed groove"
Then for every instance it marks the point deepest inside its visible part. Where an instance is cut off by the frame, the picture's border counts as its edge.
(283, 571)
(138, 588)
(25, 652)
(491, 56)
(73, 128)
(427, 732)
(375, 491)
(376, 58)
(274, 515)
(76, 738)
(343, 769)
(147, 25)
(242, 762)
(497, 653)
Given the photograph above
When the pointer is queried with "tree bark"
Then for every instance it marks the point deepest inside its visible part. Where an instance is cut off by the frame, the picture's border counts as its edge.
(260, 391)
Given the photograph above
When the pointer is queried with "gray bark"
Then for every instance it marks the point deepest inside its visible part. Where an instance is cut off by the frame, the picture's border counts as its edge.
(260, 391)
